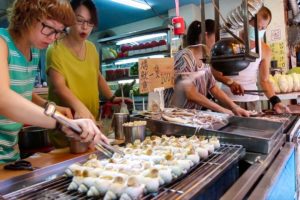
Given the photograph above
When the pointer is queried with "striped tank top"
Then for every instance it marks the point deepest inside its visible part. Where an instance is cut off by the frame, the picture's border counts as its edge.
(22, 76)
(188, 72)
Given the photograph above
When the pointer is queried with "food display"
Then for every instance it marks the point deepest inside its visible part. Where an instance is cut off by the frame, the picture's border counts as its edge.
(273, 118)
(146, 167)
(283, 83)
(135, 123)
(192, 117)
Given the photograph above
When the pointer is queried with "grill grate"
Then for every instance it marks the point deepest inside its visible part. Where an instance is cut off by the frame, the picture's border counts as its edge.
(193, 182)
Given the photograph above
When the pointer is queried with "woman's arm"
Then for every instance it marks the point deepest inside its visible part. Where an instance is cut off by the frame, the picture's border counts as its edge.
(42, 102)
(226, 101)
(192, 94)
(235, 87)
(19, 109)
(103, 87)
(14, 106)
(66, 95)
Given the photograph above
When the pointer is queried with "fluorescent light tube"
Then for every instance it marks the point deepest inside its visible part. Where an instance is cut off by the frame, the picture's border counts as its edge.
(132, 60)
(141, 38)
(133, 3)
(137, 81)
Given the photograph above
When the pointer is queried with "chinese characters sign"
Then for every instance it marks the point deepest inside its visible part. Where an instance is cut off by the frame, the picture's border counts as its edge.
(156, 72)
(278, 53)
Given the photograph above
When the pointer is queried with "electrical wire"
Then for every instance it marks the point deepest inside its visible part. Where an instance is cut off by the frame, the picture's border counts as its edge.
(220, 14)
(154, 11)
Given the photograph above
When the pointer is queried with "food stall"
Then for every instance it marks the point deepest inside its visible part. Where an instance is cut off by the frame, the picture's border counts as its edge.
(235, 170)
(221, 157)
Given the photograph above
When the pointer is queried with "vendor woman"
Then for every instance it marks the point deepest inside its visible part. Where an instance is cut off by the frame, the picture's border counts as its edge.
(33, 25)
(193, 78)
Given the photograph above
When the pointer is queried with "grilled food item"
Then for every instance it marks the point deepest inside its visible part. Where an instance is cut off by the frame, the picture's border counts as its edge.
(145, 167)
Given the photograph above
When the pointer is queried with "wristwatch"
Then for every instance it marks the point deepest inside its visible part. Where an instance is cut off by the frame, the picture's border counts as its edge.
(230, 82)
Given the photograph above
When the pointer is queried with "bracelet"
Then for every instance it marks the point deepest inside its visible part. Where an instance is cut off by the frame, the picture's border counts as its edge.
(274, 100)
(111, 99)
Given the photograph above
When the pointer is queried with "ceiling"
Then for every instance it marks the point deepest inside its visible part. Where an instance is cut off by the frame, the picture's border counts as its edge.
(112, 14)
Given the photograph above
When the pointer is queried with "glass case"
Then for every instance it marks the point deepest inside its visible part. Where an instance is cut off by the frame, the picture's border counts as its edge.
(119, 55)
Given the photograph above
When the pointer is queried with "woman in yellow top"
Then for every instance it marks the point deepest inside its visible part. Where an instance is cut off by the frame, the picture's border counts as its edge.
(73, 68)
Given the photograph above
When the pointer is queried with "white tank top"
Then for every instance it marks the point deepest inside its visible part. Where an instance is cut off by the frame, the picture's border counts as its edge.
(246, 78)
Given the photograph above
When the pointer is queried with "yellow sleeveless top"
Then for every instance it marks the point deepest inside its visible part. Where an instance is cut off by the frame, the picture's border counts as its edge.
(81, 76)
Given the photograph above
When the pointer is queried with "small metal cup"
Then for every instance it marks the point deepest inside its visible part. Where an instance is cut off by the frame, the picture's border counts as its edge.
(77, 146)
(118, 121)
(134, 132)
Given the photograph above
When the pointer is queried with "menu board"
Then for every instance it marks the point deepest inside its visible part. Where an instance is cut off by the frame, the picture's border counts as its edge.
(278, 53)
(155, 73)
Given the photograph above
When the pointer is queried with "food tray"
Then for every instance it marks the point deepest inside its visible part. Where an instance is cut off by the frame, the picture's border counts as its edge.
(255, 135)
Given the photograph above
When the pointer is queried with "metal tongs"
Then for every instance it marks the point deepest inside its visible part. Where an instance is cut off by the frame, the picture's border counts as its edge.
(255, 92)
(50, 111)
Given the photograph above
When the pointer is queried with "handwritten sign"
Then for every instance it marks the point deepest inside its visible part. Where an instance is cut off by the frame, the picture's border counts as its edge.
(156, 72)
(278, 53)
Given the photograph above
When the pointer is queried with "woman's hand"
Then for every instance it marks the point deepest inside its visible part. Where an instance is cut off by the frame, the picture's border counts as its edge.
(84, 113)
(119, 99)
(236, 88)
(90, 132)
(64, 111)
(226, 111)
(237, 110)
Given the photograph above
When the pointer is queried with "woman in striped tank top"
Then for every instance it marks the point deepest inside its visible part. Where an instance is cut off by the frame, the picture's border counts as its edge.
(193, 78)
(33, 25)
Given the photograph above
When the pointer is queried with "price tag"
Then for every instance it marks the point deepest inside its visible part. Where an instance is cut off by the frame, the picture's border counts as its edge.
(155, 73)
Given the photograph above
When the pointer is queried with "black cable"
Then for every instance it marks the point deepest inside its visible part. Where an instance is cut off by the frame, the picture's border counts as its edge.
(153, 10)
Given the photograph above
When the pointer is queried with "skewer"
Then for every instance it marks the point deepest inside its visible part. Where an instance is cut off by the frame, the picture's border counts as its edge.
(173, 190)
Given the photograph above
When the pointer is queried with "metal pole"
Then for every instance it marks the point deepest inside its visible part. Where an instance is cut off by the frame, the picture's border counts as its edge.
(203, 29)
(217, 20)
(256, 35)
(246, 26)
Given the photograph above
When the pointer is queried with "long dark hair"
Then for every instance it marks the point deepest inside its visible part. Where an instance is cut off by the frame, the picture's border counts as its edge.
(90, 6)
(194, 31)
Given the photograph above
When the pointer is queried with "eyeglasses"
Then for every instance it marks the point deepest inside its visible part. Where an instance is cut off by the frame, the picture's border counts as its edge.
(81, 21)
(48, 31)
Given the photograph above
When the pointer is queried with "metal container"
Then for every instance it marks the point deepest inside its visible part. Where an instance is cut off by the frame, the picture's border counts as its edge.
(32, 137)
(133, 133)
(78, 147)
(119, 120)
(255, 135)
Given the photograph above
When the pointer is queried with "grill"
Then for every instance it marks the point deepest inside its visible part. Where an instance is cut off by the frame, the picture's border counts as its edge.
(192, 184)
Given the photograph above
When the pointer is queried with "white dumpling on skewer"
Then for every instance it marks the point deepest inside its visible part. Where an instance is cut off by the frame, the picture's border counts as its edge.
(184, 165)
(193, 156)
(209, 147)
(125, 196)
(70, 171)
(203, 152)
(165, 173)
(134, 189)
(86, 184)
(110, 196)
(94, 163)
(151, 180)
(215, 141)
(118, 186)
(77, 180)
(103, 183)
(93, 192)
